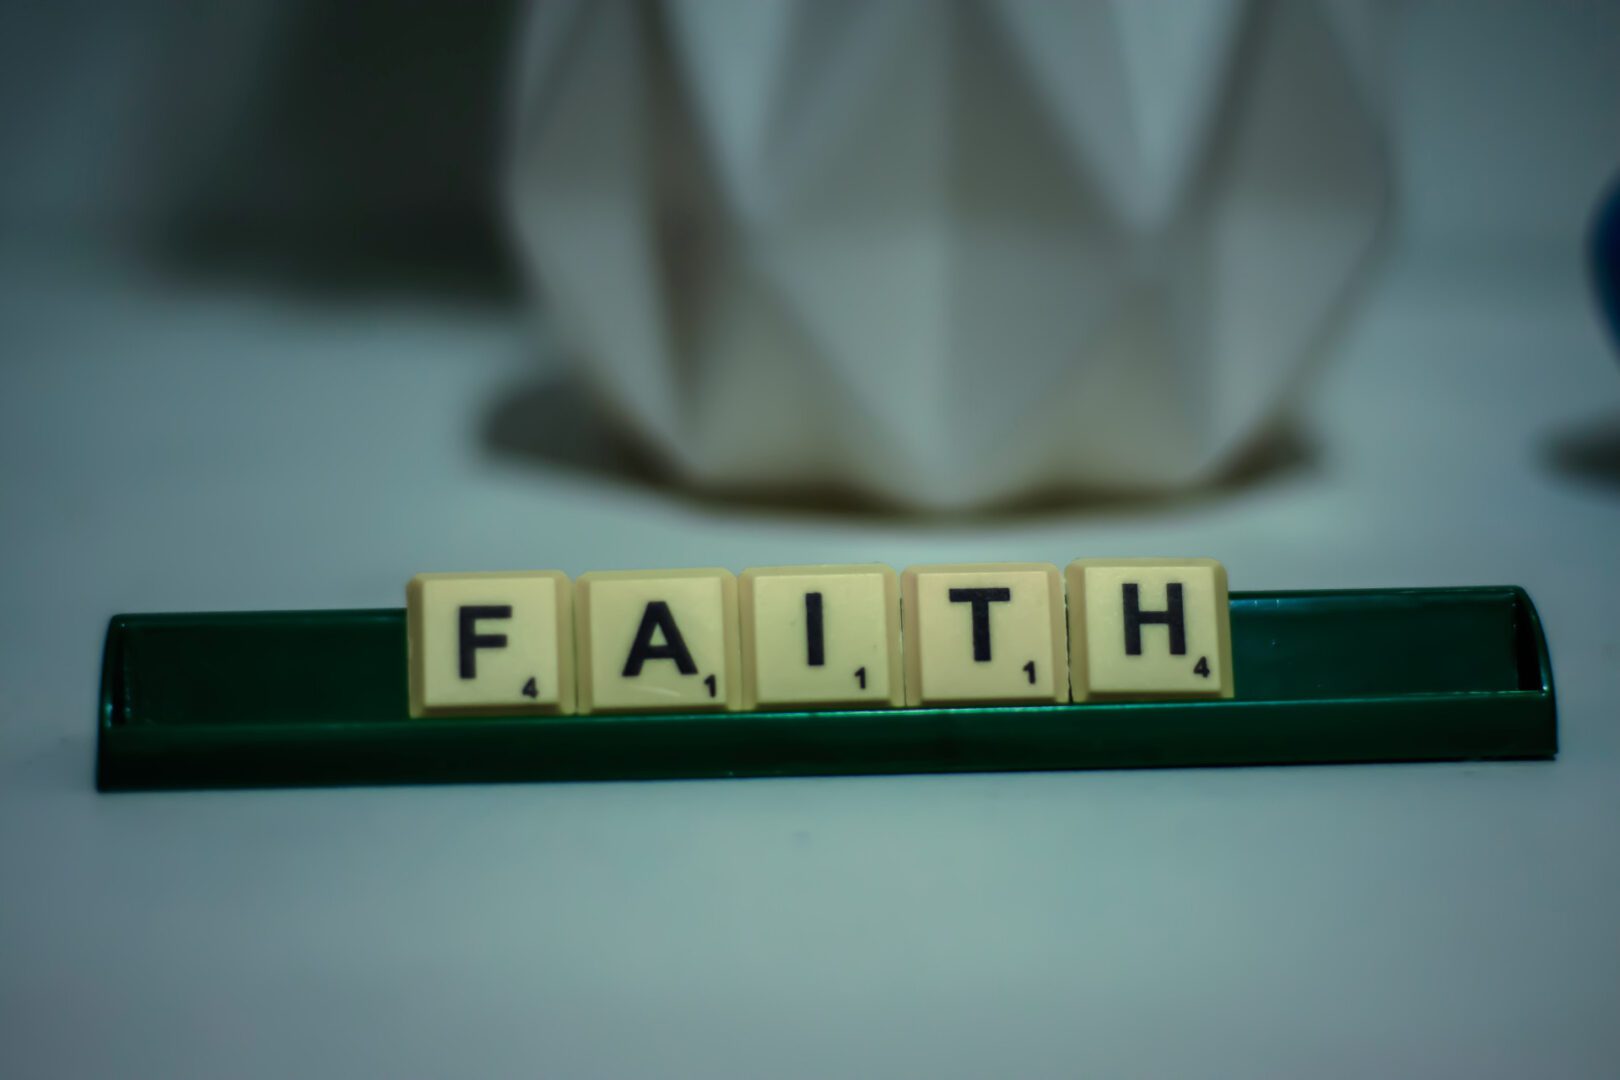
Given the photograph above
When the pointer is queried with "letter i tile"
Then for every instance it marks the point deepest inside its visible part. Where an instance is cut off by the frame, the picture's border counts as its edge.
(820, 637)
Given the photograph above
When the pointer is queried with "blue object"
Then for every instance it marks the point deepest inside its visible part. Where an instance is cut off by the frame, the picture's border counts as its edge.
(1606, 259)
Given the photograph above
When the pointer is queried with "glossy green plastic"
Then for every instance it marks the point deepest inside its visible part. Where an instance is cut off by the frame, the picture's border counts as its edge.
(319, 697)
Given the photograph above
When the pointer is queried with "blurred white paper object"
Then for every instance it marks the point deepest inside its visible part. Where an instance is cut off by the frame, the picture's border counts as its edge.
(946, 253)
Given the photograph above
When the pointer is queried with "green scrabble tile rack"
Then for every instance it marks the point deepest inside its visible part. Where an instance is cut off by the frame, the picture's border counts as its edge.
(254, 699)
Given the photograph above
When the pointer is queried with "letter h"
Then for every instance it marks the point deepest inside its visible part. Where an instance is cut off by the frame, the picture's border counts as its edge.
(1171, 618)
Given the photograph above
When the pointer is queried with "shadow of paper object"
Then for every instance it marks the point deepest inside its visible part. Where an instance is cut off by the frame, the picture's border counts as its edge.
(1588, 451)
(556, 424)
(336, 148)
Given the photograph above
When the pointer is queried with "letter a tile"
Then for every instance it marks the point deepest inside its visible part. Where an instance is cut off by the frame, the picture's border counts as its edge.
(1149, 628)
(657, 641)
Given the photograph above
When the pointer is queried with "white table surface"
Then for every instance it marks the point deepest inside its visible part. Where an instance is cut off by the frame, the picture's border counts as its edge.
(171, 446)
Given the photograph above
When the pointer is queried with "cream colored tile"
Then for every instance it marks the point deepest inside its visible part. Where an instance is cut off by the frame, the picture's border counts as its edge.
(490, 644)
(820, 636)
(1149, 628)
(978, 633)
(657, 641)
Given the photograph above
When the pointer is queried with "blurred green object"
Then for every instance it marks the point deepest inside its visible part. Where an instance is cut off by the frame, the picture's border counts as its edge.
(301, 698)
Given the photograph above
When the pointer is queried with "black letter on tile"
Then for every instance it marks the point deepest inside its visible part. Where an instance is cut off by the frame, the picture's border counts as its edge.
(658, 618)
(812, 630)
(472, 640)
(1171, 617)
(981, 599)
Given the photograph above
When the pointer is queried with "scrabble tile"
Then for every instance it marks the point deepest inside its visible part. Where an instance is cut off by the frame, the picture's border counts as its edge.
(820, 636)
(657, 641)
(978, 633)
(490, 644)
(1149, 628)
